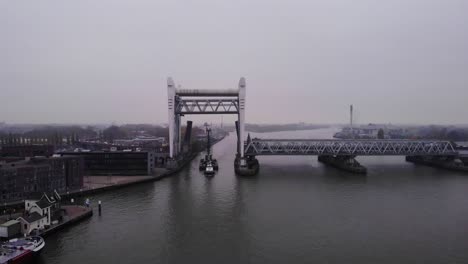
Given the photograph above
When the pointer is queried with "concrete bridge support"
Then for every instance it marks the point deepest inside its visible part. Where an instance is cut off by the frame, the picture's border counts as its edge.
(346, 163)
(250, 167)
(445, 162)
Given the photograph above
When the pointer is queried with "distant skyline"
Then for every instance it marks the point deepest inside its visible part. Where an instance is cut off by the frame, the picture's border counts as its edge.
(399, 61)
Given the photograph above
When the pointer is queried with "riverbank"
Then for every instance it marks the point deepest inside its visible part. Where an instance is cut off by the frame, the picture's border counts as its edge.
(99, 184)
(96, 184)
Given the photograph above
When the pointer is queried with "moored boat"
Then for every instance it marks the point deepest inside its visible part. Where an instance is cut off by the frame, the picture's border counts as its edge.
(21, 250)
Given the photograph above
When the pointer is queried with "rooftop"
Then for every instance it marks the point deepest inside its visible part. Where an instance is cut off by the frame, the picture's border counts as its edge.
(33, 217)
(9, 223)
(44, 202)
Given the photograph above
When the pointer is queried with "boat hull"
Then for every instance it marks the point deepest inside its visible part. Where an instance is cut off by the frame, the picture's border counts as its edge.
(26, 257)
(21, 250)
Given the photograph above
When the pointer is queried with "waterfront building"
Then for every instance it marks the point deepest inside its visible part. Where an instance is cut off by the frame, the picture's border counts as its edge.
(141, 141)
(22, 179)
(10, 229)
(26, 150)
(105, 163)
(38, 214)
(371, 131)
(32, 222)
(42, 206)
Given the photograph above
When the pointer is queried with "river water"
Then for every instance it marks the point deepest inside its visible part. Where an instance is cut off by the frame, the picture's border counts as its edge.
(295, 211)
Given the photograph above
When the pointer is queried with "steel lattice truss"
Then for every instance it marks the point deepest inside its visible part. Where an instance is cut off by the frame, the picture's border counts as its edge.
(349, 147)
(207, 106)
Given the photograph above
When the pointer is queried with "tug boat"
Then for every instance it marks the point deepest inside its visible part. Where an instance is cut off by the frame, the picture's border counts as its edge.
(208, 165)
(209, 169)
(21, 250)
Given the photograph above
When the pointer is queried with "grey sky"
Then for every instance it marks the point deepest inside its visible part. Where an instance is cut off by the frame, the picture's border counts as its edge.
(399, 61)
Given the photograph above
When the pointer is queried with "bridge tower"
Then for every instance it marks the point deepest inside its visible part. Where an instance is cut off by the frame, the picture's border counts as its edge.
(201, 102)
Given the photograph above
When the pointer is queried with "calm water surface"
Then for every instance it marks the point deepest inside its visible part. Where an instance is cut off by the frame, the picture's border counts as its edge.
(295, 211)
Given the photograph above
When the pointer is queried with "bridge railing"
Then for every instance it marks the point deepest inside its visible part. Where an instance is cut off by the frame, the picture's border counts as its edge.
(349, 147)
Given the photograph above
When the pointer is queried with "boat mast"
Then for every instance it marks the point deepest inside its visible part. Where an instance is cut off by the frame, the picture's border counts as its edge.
(351, 120)
(208, 142)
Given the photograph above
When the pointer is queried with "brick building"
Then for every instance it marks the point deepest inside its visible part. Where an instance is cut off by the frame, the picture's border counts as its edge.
(103, 163)
(32, 176)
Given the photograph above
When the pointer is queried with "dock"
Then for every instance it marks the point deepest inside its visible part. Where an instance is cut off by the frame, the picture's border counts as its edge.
(74, 214)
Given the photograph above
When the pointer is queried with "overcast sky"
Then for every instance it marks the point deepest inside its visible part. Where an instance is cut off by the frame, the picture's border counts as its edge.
(397, 61)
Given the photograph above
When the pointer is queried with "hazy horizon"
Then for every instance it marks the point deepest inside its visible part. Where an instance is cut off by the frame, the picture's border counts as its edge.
(198, 123)
(85, 62)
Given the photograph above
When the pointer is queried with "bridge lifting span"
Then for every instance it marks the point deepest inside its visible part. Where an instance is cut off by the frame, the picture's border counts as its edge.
(337, 153)
(200, 101)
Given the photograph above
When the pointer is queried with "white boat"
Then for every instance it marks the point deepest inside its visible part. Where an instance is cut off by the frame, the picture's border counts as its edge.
(20, 250)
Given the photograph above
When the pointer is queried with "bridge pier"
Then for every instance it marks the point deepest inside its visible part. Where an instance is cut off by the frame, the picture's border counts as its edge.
(346, 163)
(445, 162)
(172, 164)
(246, 166)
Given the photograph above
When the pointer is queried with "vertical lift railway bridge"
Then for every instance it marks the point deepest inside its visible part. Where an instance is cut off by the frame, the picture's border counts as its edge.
(337, 153)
